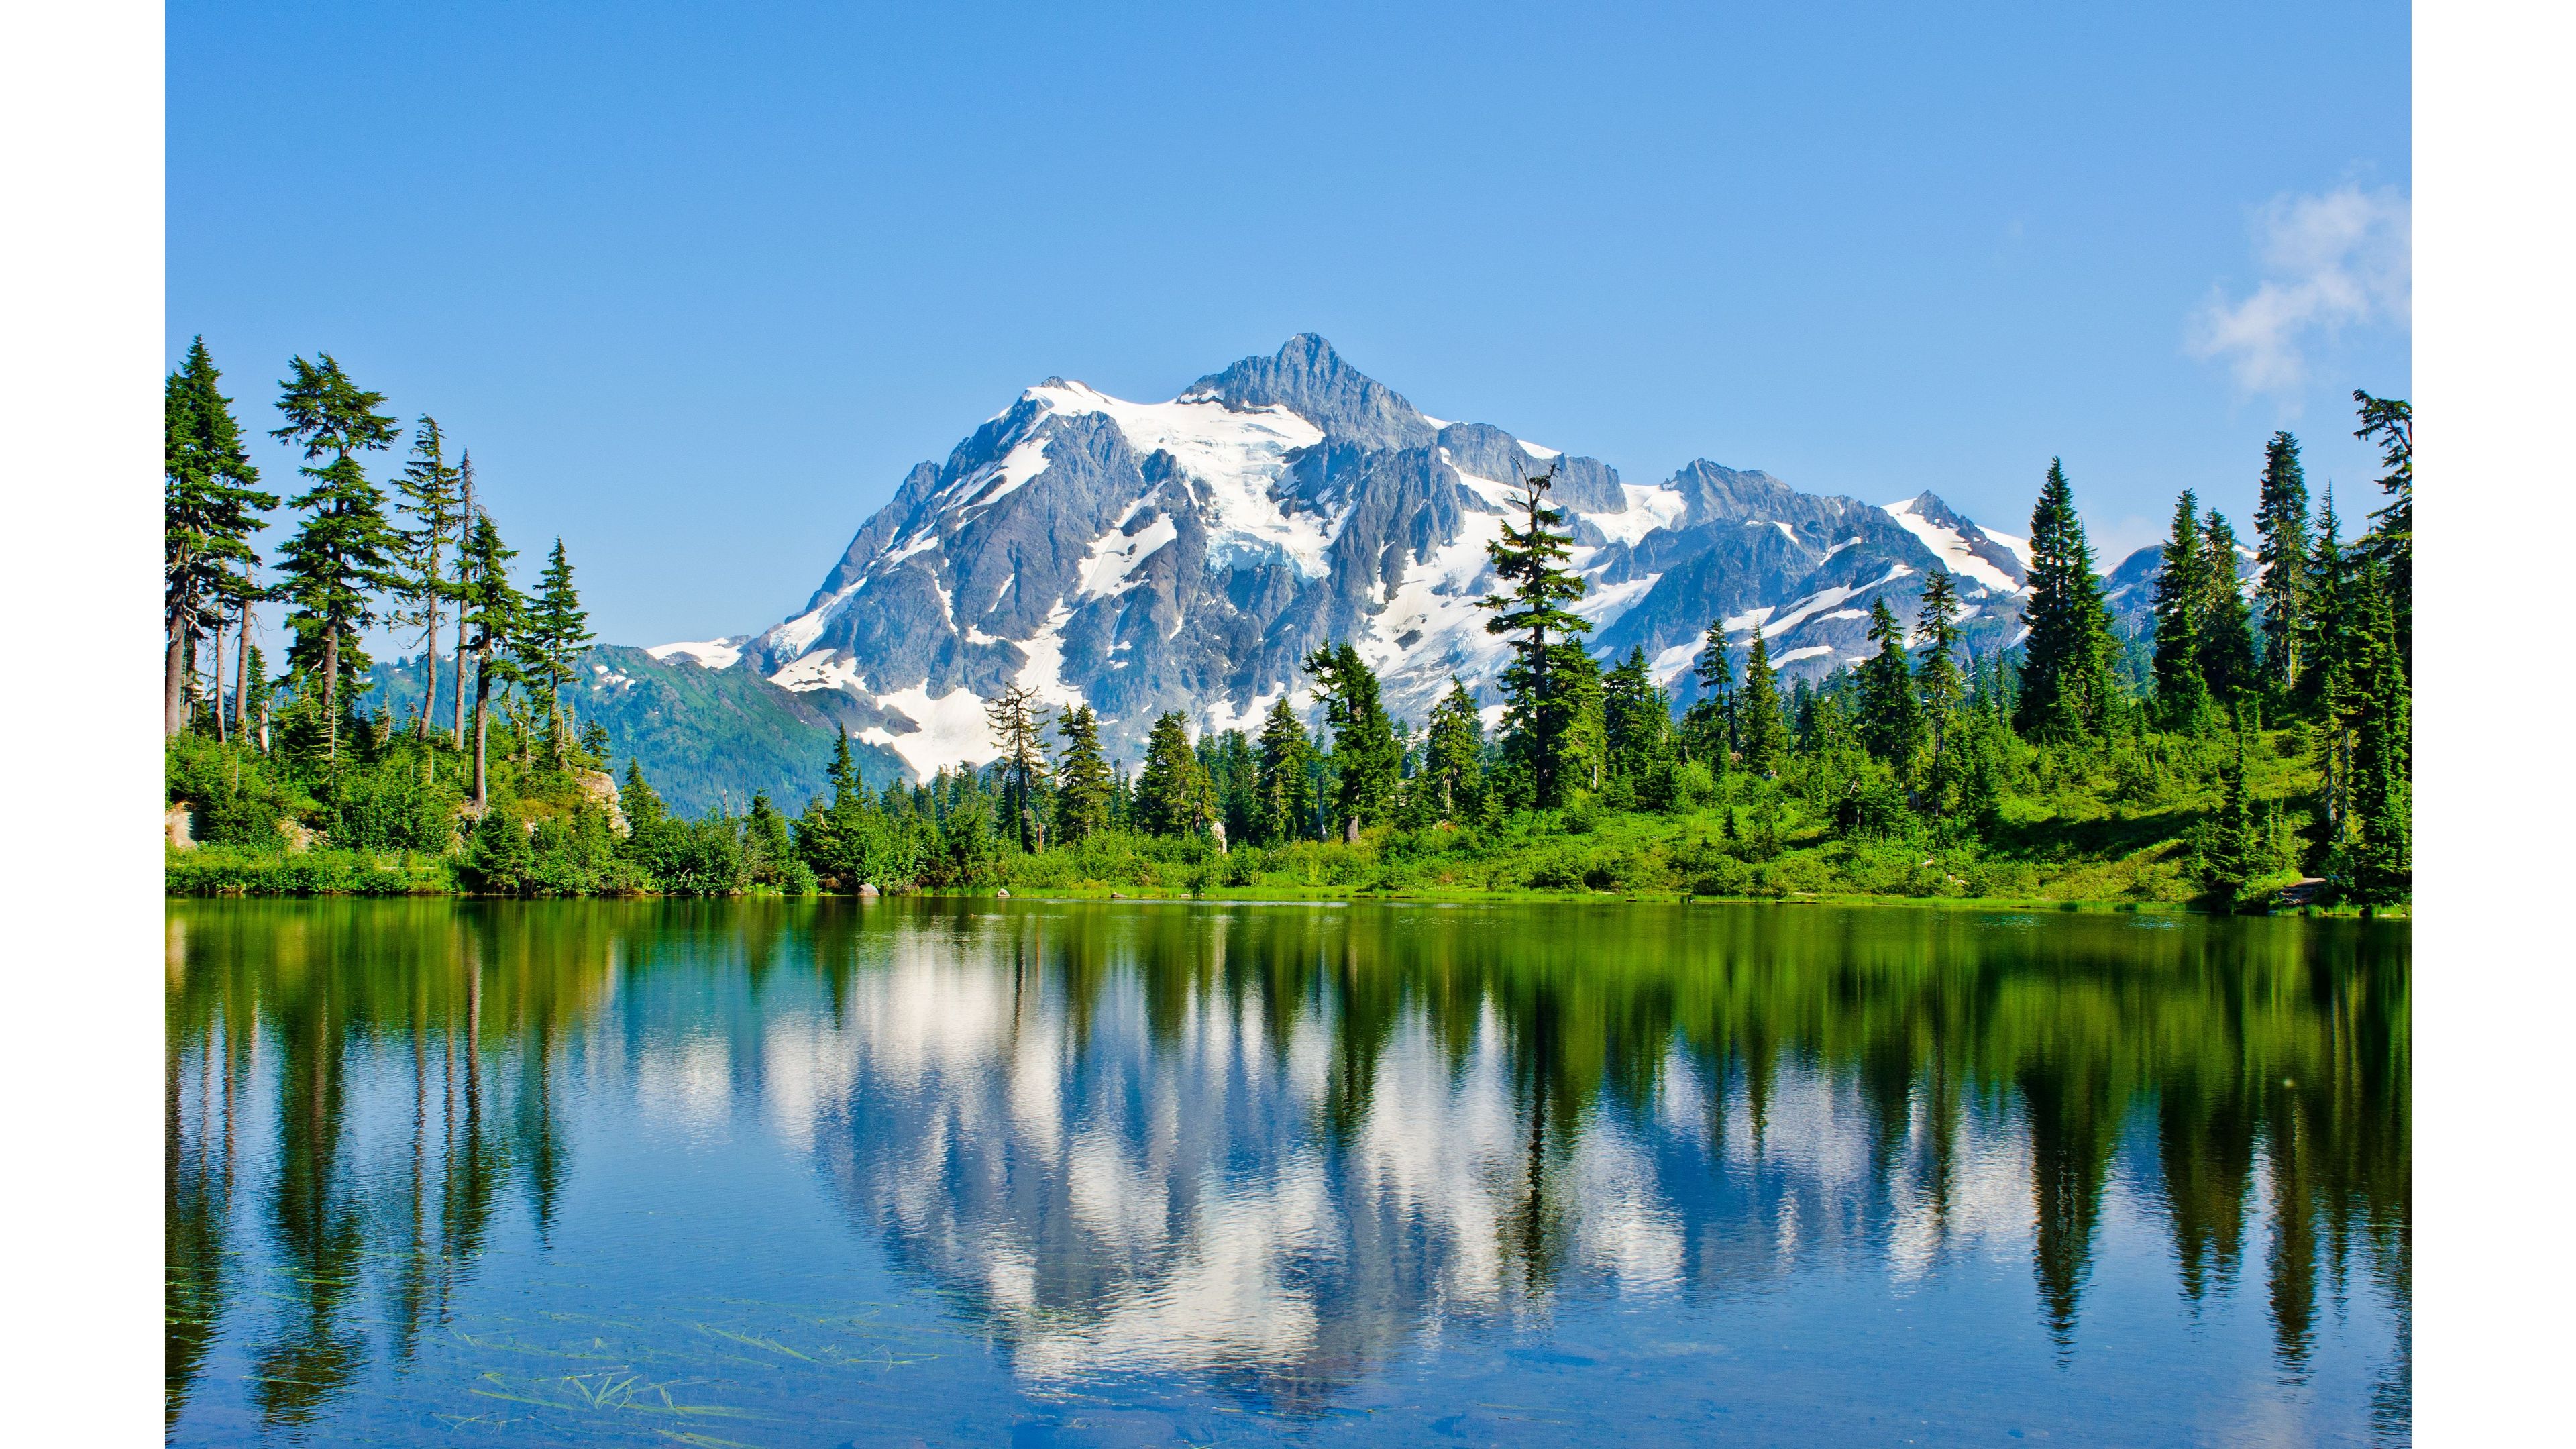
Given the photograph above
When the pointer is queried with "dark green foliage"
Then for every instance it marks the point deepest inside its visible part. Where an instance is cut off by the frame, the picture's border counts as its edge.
(1083, 782)
(1285, 778)
(2180, 691)
(1545, 716)
(1761, 733)
(1172, 795)
(1891, 718)
(2226, 627)
(2281, 526)
(554, 633)
(209, 511)
(2227, 852)
(343, 551)
(1452, 778)
(1367, 759)
(2391, 423)
(1637, 726)
(432, 493)
(1939, 687)
(2066, 681)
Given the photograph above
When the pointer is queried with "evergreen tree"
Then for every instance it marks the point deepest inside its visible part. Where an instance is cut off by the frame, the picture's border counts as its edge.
(493, 607)
(2226, 628)
(1708, 726)
(1762, 735)
(2380, 859)
(1637, 718)
(209, 511)
(1236, 778)
(1891, 716)
(1083, 783)
(2391, 423)
(1172, 795)
(342, 553)
(1286, 777)
(1367, 759)
(2281, 526)
(1018, 726)
(1937, 682)
(2178, 605)
(2229, 853)
(2066, 683)
(432, 493)
(555, 636)
(1453, 754)
(1531, 558)
(466, 513)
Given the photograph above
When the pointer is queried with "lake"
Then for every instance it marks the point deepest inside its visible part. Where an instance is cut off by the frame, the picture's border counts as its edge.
(1028, 1172)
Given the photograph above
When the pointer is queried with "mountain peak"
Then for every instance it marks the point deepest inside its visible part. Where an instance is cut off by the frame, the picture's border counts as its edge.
(1307, 377)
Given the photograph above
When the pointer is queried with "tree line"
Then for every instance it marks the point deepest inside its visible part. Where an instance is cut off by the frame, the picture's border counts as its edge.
(2273, 719)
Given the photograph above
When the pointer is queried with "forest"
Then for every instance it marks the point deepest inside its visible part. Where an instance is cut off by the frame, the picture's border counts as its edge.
(2251, 751)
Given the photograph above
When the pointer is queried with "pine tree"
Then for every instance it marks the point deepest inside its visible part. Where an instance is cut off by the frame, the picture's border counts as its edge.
(1236, 776)
(2178, 607)
(1172, 796)
(1763, 736)
(2229, 853)
(432, 494)
(1453, 754)
(2281, 525)
(2227, 626)
(1637, 718)
(1018, 726)
(209, 511)
(1367, 759)
(342, 553)
(2066, 683)
(1083, 782)
(1708, 726)
(1285, 777)
(2391, 423)
(556, 635)
(494, 608)
(1937, 682)
(1891, 716)
(1530, 557)
(2380, 861)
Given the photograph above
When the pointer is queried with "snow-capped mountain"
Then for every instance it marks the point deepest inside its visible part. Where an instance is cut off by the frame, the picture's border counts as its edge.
(1143, 557)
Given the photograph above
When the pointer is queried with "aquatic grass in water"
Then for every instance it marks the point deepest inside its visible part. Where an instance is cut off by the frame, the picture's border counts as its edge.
(823, 1172)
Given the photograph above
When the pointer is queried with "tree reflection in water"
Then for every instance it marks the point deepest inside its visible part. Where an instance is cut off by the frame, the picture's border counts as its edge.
(1279, 1148)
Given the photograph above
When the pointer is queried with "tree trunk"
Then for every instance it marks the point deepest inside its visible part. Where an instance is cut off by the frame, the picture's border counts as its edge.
(482, 731)
(222, 733)
(1351, 830)
(331, 692)
(429, 656)
(173, 675)
(241, 682)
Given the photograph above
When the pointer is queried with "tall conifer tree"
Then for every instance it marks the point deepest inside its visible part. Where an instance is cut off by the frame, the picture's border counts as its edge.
(1172, 794)
(1891, 717)
(2066, 681)
(1285, 776)
(1083, 783)
(2226, 627)
(209, 511)
(554, 638)
(1937, 681)
(432, 493)
(1531, 558)
(2391, 423)
(342, 554)
(1453, 753)
(2281, 528)
(1763, 735)
(1018, 725)
(493, 607)
(1367, 757)
(2179, 601)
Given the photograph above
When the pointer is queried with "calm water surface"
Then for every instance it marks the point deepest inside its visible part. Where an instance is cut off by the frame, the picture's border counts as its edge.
(1036, 1173)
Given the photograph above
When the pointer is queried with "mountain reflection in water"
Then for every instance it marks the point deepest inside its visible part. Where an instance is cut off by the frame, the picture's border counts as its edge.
(1274, 1151)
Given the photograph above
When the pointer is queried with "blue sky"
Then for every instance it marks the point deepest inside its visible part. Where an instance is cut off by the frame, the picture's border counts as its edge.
(697, 284)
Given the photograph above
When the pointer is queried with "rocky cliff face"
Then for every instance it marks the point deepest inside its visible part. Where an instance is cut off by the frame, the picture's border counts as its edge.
(1143, 557)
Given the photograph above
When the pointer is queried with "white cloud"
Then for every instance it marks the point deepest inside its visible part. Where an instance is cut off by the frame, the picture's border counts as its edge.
(2340, 258)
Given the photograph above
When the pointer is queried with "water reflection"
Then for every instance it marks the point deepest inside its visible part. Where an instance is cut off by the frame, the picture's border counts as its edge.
(1276, 1150)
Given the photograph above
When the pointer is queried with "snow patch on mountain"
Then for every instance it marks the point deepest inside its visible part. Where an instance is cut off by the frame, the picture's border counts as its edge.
(948, 730)
(1951, 547)
(1238, 455)
(706, 653)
